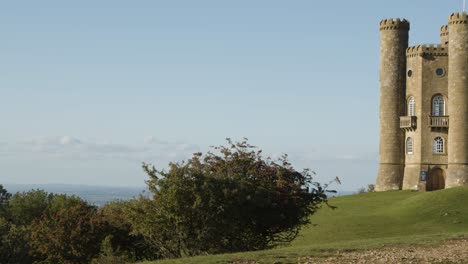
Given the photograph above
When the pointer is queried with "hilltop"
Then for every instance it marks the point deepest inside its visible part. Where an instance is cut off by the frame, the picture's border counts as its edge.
(367, 221)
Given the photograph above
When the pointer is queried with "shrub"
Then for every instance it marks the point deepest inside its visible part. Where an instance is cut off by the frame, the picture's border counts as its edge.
(72, 234)
(4, 199)
(122, 242)
(14, 247)
(24, 207)
(370, 188)
(228, 200)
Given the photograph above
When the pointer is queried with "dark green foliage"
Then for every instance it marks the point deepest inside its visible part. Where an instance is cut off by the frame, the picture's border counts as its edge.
(72, 234)
(40, 227)
(123, 243)
(108, 255)
(14, 247)
(24, 207)
(231, 201)
(4, 229)
(4, 198)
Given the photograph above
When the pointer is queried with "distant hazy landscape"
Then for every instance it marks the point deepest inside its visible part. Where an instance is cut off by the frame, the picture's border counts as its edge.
(97, 195)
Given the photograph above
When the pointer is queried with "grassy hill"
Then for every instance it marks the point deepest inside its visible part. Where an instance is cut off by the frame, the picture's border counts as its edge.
(368, 220)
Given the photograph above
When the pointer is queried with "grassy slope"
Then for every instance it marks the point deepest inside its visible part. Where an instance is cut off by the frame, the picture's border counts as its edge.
(367, 221)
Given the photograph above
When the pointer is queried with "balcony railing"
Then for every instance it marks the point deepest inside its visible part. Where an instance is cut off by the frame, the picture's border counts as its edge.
(408, 122)
(439, 121)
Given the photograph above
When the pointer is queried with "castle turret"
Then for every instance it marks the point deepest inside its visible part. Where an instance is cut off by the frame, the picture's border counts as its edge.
(458, 101)
(393, 45)
(444, 35)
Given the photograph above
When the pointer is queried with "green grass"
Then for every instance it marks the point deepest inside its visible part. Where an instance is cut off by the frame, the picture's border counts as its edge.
(369, 220)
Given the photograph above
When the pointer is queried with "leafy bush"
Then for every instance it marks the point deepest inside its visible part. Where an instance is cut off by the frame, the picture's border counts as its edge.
(231, 200)
(24, 207)
(122, 243)
(14, 246)
(72, 234)
(41, 227)
(370, 188)
(4, 198)
(108, 255)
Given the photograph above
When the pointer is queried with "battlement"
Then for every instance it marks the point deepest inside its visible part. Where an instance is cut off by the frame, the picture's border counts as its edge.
(444, 30)
(392, 24)
(422, 50)
(458, 18)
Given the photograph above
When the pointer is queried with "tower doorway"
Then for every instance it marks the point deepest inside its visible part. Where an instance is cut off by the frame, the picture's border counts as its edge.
(436, 180)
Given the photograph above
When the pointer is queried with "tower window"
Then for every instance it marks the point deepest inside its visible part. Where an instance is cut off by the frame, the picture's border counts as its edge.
(438, 106)
(409, 145)
(440, 72)
(438, 145)
(411, 106)
(410, 73)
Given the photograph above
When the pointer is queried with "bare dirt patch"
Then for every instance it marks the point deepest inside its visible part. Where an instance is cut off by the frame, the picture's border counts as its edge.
(453, 251)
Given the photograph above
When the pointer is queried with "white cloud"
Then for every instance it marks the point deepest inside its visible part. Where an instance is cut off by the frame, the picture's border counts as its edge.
(114, 148)
(68, 147)
(67, 140)
(71, 145)
(152, 140)
(162, 144)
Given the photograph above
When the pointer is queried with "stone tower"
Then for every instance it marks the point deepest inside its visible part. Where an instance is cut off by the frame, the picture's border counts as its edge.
(423, 108)
(393, 45)
(458, 100)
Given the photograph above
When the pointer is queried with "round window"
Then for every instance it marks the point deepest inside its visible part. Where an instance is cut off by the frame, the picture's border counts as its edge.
(440, 72)
(410, 73)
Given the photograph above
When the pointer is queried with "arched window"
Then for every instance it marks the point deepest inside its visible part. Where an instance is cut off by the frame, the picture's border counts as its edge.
(411, 106)
(409, 145)
(438, 145)
(438, 106)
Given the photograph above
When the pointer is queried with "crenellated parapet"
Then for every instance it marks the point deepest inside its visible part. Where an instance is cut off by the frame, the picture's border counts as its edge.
(444, 35)
(458, 18)
(424, 50)
(444, 30)
(394, 24)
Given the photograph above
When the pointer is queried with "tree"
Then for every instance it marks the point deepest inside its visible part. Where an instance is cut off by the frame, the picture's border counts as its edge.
(122, 242)
(4, 195)
(24, 207)
(14, 247)
(109, 255)
(231, 199)
(38, 226)
(70, 235)
(4, 198)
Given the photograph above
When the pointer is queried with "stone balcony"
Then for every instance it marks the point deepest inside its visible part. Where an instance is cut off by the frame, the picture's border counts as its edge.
(439, 121)
(408, 122)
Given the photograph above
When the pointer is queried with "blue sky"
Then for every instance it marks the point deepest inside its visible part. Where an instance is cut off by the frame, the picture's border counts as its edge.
(90, 89)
